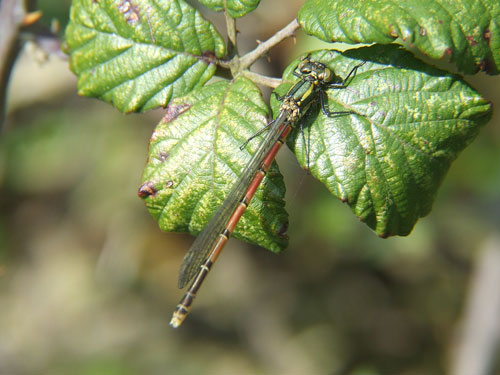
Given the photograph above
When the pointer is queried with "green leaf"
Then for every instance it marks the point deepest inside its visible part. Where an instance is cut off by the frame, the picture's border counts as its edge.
(235, 8)
(140, 54)
(194, 159)
(467, 32)
(388, 159)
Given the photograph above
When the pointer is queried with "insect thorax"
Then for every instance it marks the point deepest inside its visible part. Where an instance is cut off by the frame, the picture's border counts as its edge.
(291, 106)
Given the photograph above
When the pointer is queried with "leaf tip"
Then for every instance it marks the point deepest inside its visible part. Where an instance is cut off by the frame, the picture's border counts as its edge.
(384, 235)
(146, 189)
(282, 231)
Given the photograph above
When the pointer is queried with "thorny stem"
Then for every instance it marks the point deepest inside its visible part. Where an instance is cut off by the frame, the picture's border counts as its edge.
(241, 64)
(287, 32)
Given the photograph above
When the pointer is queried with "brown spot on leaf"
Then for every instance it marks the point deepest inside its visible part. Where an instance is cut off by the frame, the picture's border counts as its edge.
(487, 35)
(471, 40)
(130, 11)
(488, 66)
(208, 57)
(146, 189)
(384, 235)
(282, 231)
(169, 184)
(163, 156)
(447, 52)
(174, 110)
(392, 31)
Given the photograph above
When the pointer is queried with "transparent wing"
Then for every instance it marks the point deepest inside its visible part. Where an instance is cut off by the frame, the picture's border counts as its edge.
(204, 243)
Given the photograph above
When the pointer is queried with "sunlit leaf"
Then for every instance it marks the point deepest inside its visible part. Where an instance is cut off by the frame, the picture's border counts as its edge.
(235, 8)
(467, 32)
(140, 54)
(195, 157)
(410, 121)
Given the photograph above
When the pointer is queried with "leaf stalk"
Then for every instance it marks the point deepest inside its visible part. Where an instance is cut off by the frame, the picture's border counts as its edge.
(252, 56)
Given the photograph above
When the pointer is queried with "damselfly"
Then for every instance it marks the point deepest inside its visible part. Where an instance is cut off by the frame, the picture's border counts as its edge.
(315, 78)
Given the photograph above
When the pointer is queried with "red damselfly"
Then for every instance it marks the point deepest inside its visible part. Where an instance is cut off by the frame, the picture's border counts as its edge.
(315, 78)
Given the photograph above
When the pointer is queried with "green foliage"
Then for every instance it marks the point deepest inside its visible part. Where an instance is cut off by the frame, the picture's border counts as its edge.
(466, 32)
(139, 55)
(235, 8)
(192, 163)
(386, 161)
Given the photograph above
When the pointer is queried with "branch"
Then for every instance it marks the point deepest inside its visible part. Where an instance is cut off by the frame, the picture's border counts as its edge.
(262, 80)
(13, 17)
(287, 32)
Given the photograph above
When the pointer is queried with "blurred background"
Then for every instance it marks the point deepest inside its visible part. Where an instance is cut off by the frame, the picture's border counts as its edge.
(88, 281)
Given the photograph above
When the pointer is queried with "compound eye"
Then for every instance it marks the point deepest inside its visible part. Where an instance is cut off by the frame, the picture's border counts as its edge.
(304, 67)
(326, 75)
